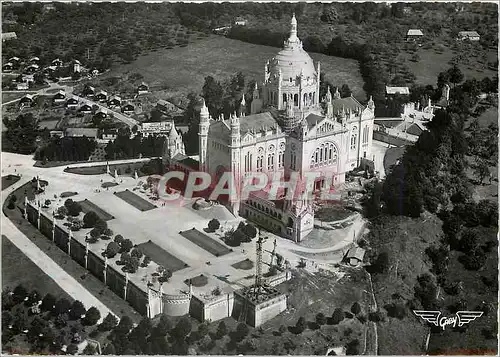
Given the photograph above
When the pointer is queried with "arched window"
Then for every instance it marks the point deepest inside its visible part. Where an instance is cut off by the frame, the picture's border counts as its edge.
(324, 155)
(270, 162)
(314, 98)
(284, 98)
(304, 100)
(354, 138)
(296, 100)
(281, 159)
(260, 161)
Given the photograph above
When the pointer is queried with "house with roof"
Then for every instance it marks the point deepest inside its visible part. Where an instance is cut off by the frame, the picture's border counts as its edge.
(32, 68)
(9, 66)
(77, 66)
(115, 101)
(59, 97)
(27, 100)
(128, 108)
(72, 102)
(101, 113)
(142, 88)
(240, 21)
(414, 35)
(15, 59)
(57, 62)
(88, 91)
(468, 36)
(22, 86)
(390, 91)
(8, 36)
(101, 95)
(355, 256)
(167, 107)
(85, 108)
(34, 60)
(109, 135)
(81, 132)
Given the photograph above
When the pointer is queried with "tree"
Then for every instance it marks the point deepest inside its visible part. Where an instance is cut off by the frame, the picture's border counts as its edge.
(112, 249)
(356, 308)
(425, 290)
(213, 225)
(146, 261)
(469, 241)
(481, 170)
(125, 258)
(352, 348)
(92, 316)
(202, 329)
(182, 329)
(119, 239)
(166, 275)
(456, 75)
(136, 253)
(77, 310)
(73, 207)
(62, 211)
(320, 319)
(221, 330)
(241, 331)
(337, 316)
(89, 350)
(126, 246)
(90, 219)
(109, 322)
(381, 264)
(163, 327)
(109, 349)
(124, 326)
(72, 349)
(19, 294)
(95, 233)
(250, 230)
(132, 265)
(345, 91)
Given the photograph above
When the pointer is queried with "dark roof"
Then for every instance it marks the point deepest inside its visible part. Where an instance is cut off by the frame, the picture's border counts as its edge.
(356, 252)
(414, 129)
(312, 119)
(257, 121)
(346, 103)
(388, 123)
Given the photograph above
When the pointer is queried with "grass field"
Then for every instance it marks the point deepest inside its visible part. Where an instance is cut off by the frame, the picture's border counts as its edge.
(121, 169)
(89, 206)
(183, 69)
(432, 63)
(32, 277)
(9, 180)
(136, 201)
(205, 242)
(161, 256)
(7, 97)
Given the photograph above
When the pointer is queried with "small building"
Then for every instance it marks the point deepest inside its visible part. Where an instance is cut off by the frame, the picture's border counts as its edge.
(59, 97)
(109, 134)
(27, 100)
(14, 60)
(240, 21)
(88, 91)
(143, 88)
(22, 86)
(115, 101)
(77, 66)
(85, 108)
(8, 36)
(468, 36)
(167, 107)
(56, 133)
(72, 102)
(355, 256)
(414, 35)
(397, 90)
(57, 62)
(101, 113)
(9, 66)
(158, 128)
(101, 96)
(34, 60)
(128, 108)
(32, 68)
(81, 132)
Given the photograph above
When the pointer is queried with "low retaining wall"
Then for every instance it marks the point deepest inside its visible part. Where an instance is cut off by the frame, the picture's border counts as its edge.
(176, 305)
(389, 139)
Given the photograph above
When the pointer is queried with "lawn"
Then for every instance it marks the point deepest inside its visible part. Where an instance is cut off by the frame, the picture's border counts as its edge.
(161, 256)
(32, 277)
(183, 69)
(122, 169)
(7, 97)
(432, 63)
(332, 213)
(88, 206)
(136, 201)
(246, 264)
(205, 242)
(9, 180)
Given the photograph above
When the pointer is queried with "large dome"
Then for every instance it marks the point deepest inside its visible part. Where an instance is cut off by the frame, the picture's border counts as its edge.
(292, 60)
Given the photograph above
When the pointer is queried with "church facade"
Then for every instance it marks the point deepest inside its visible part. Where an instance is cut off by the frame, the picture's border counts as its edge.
(290, 129)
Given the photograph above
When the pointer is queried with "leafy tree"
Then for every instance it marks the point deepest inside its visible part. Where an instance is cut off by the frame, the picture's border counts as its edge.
(241, 331)
(352, 348)
(221, 330)
(213, 225)
(250, 230)
(469, 241)
(163, 327)
(72, 349)
(124, 326)
(89, 350)
(109, 349)
(90, 219)
(112, 249)
(62, 211)
(132, 265)
(381, 264)
(337, 316)
(92, 316)
(146, 261)
(202, 329)
(182, 329)
(126, 246)
(320, 319)
(119, 239)
(166, 275)
(356, 308)
(481, 170)
(108, 323)
(456, 75)
(425, 290)
(77, 310)
(136, 253)
(19, 294)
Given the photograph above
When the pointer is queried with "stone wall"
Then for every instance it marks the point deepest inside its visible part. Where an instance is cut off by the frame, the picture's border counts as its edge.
(95, 265)
(389, 139)
(137, 298)
(269, 309)
(115, 281)
(218, 308)
(78, 252)
(278, 278)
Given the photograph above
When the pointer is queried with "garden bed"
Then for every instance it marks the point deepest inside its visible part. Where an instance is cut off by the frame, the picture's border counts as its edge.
(161, 256)
(9, 180)
(205, 242)
(136, 201)
(88, 206)
(246, 264)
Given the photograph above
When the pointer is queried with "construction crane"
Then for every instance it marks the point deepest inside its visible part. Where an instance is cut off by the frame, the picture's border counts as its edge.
(258, 269)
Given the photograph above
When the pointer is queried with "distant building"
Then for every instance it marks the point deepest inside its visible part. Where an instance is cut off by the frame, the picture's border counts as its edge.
(468, 35)
(355, 256)
(8, 67)
(59, 97)
(240, 21)
(101, 113)
(85, 108)
(89, 91)
(80, 132)
(143, 88)
(72, 102)
(166, 107)
(115, 101)
(32, 68)
(8, 36)
(34, 60)
(158, 128)
(128, 108)
(77, 66)
(27, 100)
(101, 96)
(57, 62)
(397, 90)
(14, 59)
(414, 35)
(109, 135)
(22, 86)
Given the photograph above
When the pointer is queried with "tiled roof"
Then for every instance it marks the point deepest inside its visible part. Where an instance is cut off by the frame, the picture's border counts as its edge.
(256, 122)
(397, 90)
(346, 103)
(312, 119)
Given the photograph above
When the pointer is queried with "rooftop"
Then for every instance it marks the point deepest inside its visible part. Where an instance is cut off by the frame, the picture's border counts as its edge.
(397, 90)
(414, 32)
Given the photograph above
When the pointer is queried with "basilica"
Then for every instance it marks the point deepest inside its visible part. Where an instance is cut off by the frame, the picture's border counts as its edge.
(289, 129)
